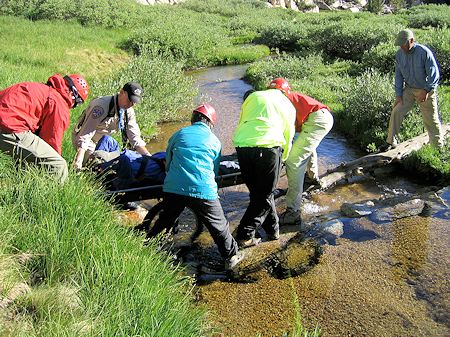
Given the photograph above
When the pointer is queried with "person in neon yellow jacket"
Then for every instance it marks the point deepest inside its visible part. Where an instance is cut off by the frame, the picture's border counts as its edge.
(263, 139)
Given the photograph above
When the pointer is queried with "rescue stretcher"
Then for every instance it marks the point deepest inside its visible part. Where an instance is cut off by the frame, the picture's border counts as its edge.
(123, 196)
(156, 191)
(229, 175)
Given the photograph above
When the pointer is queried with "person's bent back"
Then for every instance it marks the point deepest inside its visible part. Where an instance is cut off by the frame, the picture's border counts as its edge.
(34, 116)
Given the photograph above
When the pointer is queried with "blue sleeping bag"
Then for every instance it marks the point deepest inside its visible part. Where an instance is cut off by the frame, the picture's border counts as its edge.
(134, 169)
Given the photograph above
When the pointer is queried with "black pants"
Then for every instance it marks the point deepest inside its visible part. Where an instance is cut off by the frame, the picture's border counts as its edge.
(260, 169)
(209, 212)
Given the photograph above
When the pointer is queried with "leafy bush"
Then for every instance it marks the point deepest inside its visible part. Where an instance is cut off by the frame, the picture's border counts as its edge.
(349, 39)
(309, 75)
(367, 104)
(226, 8)
(104, 12)
(380, 57)
(283, 35)
(190, 36)
(168, 92)
(437, 16)
(438, 41)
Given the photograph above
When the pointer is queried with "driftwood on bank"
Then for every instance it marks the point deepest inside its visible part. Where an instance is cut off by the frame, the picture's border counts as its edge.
(367, 164)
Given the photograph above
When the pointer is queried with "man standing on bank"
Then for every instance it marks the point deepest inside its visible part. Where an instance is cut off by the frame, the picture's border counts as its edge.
(34, 116)
(416, 80)
(313, 122)
(105, 116)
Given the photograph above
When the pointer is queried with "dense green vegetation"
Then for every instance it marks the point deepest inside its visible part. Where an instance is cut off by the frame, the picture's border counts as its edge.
(89, 275)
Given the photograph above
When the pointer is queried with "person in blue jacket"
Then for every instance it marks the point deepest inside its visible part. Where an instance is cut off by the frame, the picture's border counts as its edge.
(192, 163)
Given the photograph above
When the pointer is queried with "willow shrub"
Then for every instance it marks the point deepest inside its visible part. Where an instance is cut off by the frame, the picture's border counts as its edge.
(119, 287)
(308, 75)
(366, 108)
(437, 16)
(227, 8)
(282, 35)
(439, 42)
(93, 12)
(350, 38)
(168, 92)
(187, 35)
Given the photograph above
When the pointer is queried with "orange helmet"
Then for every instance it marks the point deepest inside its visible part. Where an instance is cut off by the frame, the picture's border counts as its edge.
(280, 84)
(81, 86)
(208, 111)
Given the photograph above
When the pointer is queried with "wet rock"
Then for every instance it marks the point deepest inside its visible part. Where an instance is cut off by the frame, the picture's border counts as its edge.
(399, 210)
(357, 210)
(334, 227)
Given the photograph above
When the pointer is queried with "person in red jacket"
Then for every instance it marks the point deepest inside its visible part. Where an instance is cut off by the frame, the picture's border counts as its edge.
(34, 116)
(313, 122)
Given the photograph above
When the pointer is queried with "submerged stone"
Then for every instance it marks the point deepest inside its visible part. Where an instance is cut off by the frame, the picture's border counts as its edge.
(400, 210)
(357, 210)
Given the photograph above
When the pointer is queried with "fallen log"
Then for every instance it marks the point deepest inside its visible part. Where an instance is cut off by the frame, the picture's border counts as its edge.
(367, 164)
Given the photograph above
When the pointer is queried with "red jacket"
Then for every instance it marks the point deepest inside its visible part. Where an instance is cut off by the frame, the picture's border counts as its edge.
(304, 105)
(40, 108)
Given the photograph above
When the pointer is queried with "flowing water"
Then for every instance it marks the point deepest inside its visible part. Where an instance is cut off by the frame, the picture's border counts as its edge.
(379, 278)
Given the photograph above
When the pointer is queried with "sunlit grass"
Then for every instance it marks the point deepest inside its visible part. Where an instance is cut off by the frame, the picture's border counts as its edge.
(86, 271)
(35, 50)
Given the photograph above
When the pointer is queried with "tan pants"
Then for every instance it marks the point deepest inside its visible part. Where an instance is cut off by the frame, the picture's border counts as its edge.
(26, 147)
(430, 116)
(303, 153)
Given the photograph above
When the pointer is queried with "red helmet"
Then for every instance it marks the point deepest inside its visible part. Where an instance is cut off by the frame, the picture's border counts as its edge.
(208, 111)
(280, 84)
(81, 85)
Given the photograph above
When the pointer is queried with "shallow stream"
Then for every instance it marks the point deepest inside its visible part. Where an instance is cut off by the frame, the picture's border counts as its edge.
(378, 278)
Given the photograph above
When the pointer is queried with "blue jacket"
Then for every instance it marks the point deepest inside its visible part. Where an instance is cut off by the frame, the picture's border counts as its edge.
(417, 69)
(192, 162)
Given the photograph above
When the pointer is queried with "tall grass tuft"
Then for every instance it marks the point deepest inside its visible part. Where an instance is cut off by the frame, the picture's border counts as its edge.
(114, 286)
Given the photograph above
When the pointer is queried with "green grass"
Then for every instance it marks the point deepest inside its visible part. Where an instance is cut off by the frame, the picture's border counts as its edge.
(89, 272)
(35, 50)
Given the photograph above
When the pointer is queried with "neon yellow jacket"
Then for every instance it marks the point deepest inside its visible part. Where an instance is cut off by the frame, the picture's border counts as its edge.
(267, 120)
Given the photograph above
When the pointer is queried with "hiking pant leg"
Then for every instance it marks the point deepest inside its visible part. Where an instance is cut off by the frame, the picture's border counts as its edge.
(173, 205)
(431, 120)
(312, 168)
(210, 213)
(398, 114)
(315, 128)
(26, 147)
(260, 169)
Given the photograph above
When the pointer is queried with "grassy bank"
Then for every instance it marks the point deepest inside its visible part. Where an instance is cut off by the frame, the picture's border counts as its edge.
(86, 275)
